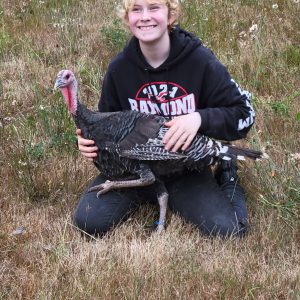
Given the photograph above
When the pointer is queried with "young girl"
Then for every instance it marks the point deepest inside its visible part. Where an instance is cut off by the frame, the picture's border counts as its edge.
(166, 70)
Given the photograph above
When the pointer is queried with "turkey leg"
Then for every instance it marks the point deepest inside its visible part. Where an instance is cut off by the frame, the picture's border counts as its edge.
(162, 196)
(146, 178)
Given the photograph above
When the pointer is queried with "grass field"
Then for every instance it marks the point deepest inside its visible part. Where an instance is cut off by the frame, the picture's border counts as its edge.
(42, 255)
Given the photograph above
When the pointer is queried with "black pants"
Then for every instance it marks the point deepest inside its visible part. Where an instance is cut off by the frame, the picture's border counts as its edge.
(194, 196)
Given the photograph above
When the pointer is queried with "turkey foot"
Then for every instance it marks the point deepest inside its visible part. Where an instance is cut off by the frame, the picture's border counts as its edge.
(103, 187)
(146, 177)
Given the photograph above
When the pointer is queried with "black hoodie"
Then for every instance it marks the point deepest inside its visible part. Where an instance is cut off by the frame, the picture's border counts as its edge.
(191, 79)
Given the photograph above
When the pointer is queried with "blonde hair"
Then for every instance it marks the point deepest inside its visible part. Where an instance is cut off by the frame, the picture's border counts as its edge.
(173, 6)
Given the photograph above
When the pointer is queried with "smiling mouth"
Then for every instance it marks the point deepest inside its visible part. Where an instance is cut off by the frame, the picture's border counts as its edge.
(147, 27)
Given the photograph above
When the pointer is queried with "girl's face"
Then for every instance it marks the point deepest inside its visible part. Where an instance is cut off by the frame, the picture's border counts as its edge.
(148, 21)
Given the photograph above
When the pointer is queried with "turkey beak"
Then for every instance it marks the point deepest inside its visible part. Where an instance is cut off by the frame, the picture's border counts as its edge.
(58, 83)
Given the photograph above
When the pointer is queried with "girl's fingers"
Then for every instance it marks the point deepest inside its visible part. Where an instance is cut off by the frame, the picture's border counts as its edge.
(85, 142)
(181, 141)
(187, 142)
(78, 131)
(169, 134)
(169, 123)
(173, 139)
(88, 149)
(90, 155)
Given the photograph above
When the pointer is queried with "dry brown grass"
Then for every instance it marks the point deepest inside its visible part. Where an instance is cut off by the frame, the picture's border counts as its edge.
(42, 174)
(52, 261)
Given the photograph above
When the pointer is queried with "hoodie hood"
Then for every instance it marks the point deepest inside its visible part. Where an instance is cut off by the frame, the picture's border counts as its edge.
(182, 44)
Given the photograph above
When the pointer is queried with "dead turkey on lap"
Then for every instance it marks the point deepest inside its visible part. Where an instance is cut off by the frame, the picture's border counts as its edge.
(131, 151)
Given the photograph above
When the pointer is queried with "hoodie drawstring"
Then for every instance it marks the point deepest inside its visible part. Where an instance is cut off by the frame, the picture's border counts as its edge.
(153, 98)
(168, 92)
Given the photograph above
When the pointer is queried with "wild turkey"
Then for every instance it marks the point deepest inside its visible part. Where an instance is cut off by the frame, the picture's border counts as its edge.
(132, 153)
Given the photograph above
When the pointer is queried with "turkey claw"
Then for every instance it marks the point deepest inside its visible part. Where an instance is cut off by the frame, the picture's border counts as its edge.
(102, 188)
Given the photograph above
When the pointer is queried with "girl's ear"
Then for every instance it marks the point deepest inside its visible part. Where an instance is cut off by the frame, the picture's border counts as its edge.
(172, 19)
(126, 21)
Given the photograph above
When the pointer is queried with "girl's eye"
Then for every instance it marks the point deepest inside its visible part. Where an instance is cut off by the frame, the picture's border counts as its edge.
(154, 7)
(136, 9)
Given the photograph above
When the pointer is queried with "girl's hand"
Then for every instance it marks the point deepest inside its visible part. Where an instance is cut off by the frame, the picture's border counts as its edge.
(182, 131)
(86, 147)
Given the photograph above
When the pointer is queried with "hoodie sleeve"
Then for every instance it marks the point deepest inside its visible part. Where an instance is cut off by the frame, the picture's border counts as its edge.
(109, 99)
(225, 109)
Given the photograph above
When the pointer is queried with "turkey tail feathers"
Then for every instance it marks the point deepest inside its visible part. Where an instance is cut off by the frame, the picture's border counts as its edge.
(242, 153)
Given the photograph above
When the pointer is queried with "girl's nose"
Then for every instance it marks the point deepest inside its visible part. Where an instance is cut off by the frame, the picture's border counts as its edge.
(145, 14)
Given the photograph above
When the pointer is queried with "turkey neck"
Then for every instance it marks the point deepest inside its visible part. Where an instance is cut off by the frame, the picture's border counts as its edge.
(85, 118)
